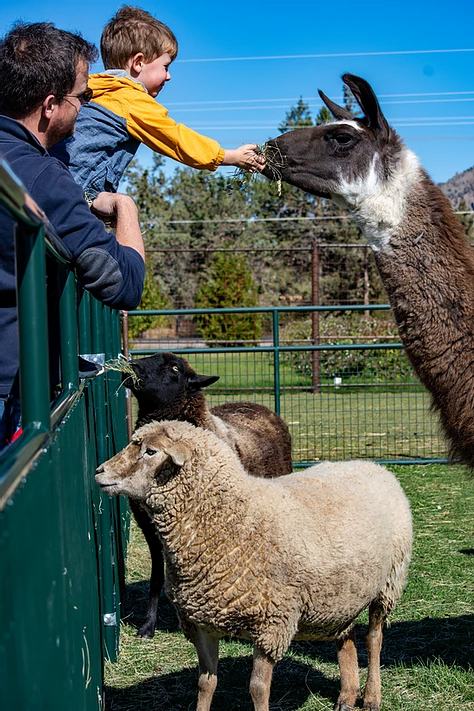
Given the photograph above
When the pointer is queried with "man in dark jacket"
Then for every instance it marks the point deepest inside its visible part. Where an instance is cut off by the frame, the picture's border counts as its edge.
(43, 83)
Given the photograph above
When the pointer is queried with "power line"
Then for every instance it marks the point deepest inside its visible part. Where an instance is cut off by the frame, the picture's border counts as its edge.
(310, 106)
(252, 220)
(274, 127)
(316, 98)
(325, 56)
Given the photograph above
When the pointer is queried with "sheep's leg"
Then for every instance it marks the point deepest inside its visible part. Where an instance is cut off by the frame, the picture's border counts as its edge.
(373, 693)
(261, 679)
(207, 648)
(147, 629)
(349, 671)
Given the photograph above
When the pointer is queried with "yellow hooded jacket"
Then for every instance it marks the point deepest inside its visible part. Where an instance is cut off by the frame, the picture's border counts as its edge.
(111, 127)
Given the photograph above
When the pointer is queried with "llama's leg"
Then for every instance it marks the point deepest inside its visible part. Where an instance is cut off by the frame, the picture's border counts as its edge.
(207, 648)
(147, 526)
(373, 693)
(261, 679)
(349, 671)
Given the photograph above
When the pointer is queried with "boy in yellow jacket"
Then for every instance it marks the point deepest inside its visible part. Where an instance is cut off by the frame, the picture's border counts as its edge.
(137, 51)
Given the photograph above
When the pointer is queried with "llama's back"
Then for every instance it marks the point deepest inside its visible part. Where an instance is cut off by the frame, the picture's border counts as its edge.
(259, 436)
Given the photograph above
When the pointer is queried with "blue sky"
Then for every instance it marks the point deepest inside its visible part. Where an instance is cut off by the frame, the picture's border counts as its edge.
(408, 51)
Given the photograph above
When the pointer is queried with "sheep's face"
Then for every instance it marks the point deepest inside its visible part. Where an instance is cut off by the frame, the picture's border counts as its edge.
(165, 378)
(138, 468)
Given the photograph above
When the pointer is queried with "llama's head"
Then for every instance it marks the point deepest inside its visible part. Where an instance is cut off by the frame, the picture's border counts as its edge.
(346, 159)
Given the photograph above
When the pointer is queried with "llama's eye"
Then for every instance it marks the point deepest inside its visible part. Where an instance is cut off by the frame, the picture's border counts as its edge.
(150, 451)
(343, 139)
(175, 369)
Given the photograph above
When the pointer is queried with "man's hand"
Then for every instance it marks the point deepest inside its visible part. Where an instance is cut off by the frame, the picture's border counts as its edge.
(105, 204)
(122, 209)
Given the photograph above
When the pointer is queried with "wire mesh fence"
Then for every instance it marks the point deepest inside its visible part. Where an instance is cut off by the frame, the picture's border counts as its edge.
(349, 393)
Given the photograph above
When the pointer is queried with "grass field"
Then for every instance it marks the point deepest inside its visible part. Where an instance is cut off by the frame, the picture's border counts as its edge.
(428, 653)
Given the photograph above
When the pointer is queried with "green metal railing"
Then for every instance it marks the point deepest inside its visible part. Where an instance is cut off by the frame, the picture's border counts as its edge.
(385, 417)
(61, 541)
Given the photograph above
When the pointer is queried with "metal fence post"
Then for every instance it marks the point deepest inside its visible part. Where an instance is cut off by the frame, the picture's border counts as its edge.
(315, 300)
(276, 359)
(32, 308)
(68, 330)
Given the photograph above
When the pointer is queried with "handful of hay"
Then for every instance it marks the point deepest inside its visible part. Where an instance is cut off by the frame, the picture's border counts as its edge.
(123, 365)
(274, 161)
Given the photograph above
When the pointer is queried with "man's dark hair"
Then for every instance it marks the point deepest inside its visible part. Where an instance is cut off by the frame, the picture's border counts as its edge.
(37, 59)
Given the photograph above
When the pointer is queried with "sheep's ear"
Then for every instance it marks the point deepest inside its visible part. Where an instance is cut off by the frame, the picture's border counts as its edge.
(179, 452)
(337, 111)
(365, 97)
(197, 382)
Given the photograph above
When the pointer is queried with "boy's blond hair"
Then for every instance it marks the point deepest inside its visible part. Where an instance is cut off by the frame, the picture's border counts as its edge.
(134, 30)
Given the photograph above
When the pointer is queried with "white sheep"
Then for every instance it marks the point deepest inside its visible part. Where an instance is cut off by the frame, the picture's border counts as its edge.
(270, 560)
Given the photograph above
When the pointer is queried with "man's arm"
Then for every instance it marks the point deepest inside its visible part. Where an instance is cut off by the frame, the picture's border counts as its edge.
(112, 269)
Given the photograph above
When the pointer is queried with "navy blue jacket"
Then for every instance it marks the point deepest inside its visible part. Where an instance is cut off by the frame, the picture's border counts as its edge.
(112, 273)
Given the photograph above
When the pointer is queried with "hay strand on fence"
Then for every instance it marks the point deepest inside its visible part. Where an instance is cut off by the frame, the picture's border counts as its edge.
(123, 365)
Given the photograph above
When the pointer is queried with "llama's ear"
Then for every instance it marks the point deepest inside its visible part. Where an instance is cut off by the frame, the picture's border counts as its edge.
(179, 452)
(367, 101)
(337, 111)
(197, 382)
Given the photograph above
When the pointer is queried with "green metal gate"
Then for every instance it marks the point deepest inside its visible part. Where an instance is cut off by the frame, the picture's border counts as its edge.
(61, 541)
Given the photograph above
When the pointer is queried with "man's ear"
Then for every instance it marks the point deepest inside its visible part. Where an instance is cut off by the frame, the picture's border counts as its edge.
(180, 453)
(49, 105)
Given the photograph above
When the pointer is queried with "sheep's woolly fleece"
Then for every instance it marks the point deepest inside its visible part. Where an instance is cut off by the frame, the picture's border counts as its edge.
(272, 559)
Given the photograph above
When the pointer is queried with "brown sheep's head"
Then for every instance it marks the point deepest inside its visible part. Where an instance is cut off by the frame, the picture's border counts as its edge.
(164, 379)
(152, 455)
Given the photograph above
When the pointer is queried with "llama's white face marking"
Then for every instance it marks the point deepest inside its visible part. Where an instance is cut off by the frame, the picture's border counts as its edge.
(379, 204)
(352, 193)
(344, 122)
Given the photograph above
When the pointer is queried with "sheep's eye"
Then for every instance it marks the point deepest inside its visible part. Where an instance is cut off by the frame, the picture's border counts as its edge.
(150, 451)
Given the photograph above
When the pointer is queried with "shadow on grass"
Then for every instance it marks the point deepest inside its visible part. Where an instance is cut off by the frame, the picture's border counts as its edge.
(446, 640)
(293, 682)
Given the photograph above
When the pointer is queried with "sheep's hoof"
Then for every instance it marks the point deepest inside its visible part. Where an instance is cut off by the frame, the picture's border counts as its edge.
(371, 706)
(146, 631)
(341, 706)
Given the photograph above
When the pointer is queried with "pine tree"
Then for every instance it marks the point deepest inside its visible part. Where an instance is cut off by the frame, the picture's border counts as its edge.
(152, 298)
(323, 116)
(297, 116)
(228, 282)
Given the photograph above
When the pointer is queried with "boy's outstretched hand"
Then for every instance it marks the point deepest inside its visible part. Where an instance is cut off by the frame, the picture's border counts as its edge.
(245, 157)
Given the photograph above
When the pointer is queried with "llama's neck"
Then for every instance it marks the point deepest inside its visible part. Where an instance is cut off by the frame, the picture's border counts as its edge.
(427, 268)
(379, 205)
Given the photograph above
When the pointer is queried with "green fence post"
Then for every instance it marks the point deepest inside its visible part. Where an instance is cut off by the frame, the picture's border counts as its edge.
(68, 328)
(32, 308)
(110, 616)
(276, 359)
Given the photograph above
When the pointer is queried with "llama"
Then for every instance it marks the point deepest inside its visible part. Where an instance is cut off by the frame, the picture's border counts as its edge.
(420, 246)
